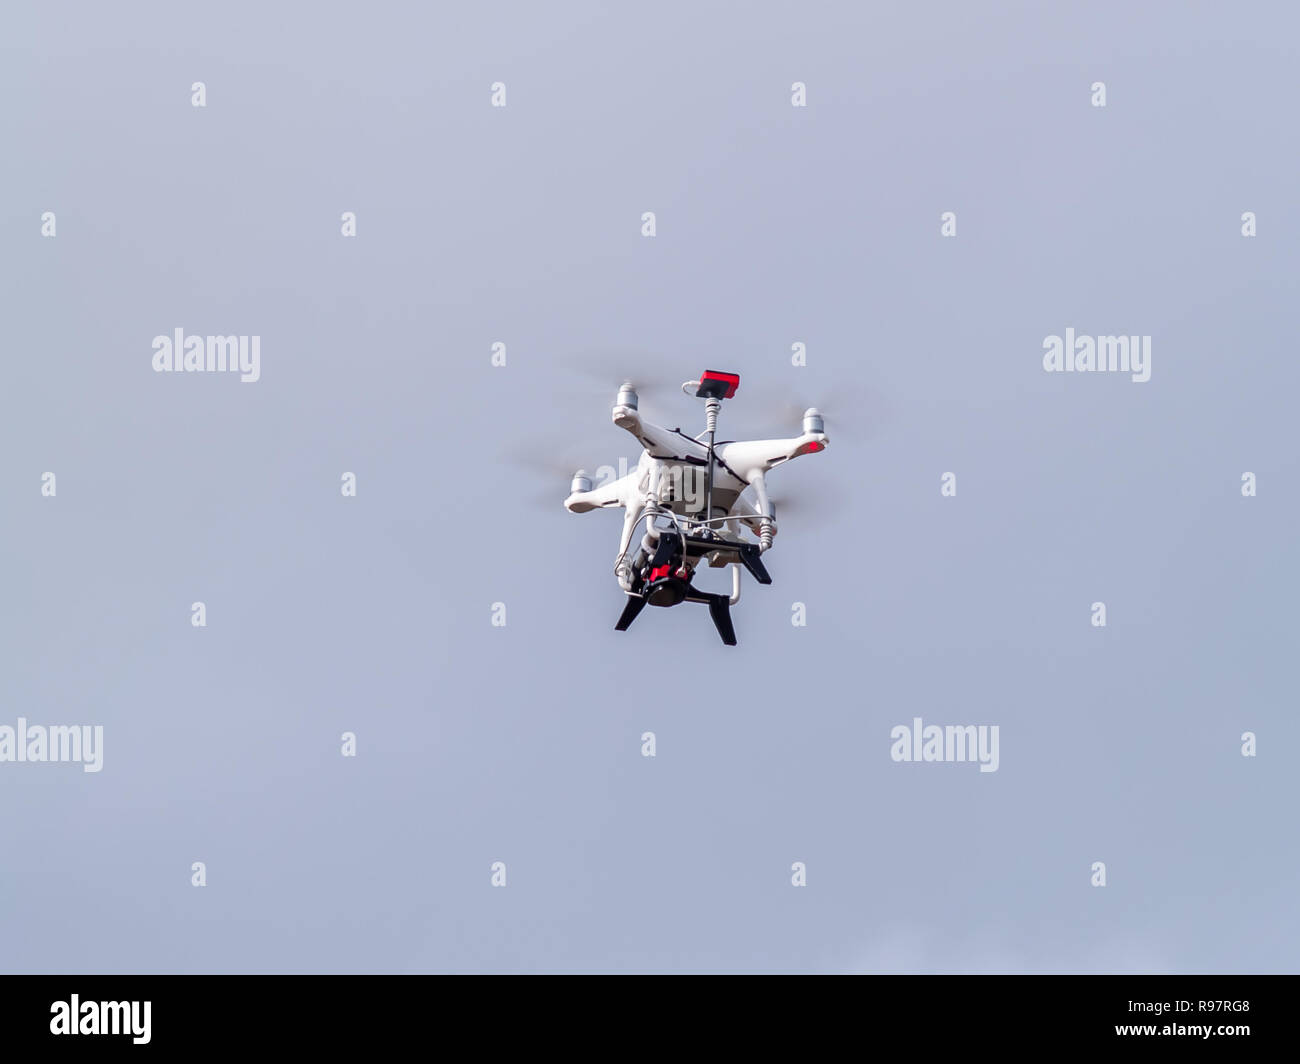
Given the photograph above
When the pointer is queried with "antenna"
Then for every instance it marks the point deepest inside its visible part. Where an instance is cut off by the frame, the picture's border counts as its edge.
(713, 388)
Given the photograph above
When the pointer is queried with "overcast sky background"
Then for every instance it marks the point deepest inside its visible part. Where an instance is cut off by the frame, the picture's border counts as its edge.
(521, 225)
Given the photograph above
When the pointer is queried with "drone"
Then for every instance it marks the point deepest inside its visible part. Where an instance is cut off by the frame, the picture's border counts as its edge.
(689, 494)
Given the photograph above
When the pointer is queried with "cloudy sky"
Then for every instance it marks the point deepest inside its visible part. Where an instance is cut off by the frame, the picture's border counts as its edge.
(522, 225)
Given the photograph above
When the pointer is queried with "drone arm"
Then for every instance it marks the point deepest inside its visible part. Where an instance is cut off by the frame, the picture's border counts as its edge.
(657, 440)
(615, 493)
(758, 456)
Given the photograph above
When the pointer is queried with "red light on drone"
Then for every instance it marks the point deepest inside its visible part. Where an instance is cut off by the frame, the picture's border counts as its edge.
(811, 447)
(715, 385)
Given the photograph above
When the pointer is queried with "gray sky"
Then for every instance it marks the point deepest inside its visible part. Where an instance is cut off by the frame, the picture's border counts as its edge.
(776, 225)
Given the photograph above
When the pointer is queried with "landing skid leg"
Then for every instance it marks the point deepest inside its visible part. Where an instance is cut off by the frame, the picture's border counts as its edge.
(634, 606)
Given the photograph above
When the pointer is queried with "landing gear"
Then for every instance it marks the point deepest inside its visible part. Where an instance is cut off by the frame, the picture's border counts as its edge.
(664, 579)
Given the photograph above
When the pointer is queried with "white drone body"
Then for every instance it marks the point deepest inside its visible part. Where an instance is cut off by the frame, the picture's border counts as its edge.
(689, 492)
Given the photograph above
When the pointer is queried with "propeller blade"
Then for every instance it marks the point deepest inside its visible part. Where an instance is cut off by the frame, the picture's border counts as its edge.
(607, 371)
(804, 503)
(546, 468)
(851, 411)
